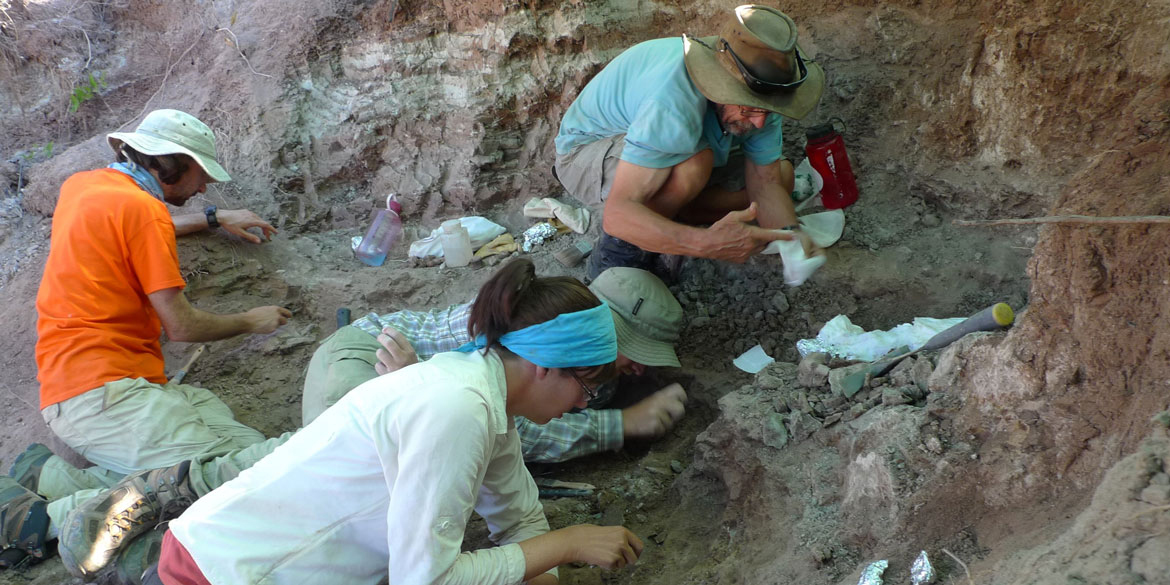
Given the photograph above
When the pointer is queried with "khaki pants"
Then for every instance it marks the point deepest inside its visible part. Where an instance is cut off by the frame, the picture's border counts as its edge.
(344, 360)
(132, 425)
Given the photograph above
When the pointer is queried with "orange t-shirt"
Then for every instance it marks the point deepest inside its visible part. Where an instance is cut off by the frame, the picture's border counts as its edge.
(112, 245)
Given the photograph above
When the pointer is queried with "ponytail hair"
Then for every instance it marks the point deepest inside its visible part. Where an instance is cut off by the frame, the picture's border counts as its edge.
(515, 298)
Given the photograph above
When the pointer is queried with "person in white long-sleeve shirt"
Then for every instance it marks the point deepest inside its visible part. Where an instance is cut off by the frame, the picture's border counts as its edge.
(385, 480)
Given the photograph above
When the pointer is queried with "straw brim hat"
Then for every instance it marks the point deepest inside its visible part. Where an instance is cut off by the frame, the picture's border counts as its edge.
(173, 132)
(752, 28)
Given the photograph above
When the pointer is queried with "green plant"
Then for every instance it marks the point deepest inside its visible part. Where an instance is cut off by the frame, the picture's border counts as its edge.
(43, 152)
(86, 91)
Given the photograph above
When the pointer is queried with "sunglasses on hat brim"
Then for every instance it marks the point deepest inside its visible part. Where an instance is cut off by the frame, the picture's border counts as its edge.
(761, 86)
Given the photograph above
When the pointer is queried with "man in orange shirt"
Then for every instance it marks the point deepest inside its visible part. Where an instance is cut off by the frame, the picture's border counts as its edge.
(111, 285)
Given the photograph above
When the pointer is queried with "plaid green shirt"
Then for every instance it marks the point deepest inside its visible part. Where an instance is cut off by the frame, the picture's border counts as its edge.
(572, 435)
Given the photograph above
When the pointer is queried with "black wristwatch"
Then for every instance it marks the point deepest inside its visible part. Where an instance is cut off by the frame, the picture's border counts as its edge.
(212, 222)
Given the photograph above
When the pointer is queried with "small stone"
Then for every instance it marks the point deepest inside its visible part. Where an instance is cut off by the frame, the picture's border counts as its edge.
(833, 419)
(812, 371)
(854, 411)
(700, 321)
(776, 435)
(894, 397)
(659, 538)
(801, 425)
(846, 381)
(913, 392)
(676, 466)
(900, 375)
(834, 403)
(780, 302)
(821, 554)
(931, 220)
(933, 445)
(920, 373)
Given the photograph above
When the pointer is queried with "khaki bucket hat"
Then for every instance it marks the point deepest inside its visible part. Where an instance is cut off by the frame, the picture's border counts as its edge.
(646, 316)
(174, 132)
(755, 62)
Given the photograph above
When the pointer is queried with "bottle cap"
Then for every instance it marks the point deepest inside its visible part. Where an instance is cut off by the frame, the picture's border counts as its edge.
(451, 225)
(822, 130)
(392, 204)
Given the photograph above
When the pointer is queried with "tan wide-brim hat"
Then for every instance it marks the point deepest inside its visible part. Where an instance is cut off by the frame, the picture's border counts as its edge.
(762, 37)
(174, 132)
(647, 318)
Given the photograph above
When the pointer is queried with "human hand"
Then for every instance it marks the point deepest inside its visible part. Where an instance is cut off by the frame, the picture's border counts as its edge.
(237, 221)
(733, 240)
(810, 247)
(608, 547)
(396, 352)
(267, 319)
(654, 415)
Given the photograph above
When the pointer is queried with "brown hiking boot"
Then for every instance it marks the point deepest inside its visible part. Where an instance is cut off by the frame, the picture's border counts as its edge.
(24, 522)
(95, 532)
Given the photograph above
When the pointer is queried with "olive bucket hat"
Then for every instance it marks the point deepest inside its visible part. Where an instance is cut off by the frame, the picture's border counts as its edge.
(174, 132)
(646, 316)
(755, 62)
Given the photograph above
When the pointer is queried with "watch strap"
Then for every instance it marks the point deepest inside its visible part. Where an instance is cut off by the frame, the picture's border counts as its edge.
(212, 221)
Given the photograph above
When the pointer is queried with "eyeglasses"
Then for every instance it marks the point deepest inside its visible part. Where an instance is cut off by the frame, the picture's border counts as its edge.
(590, 393)
(746, 111)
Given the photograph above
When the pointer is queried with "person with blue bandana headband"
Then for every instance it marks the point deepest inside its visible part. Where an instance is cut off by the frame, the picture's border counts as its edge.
(384, 482)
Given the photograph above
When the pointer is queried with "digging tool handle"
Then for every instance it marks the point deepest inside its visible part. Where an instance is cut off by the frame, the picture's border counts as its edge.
(182, 373)
(997, 316)
(342, 317)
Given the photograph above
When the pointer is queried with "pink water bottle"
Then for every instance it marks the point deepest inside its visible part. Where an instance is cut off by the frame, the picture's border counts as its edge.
(826, 153)
(384, 230)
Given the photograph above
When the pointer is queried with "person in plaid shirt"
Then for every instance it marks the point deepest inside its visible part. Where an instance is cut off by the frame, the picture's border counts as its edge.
(647, 318)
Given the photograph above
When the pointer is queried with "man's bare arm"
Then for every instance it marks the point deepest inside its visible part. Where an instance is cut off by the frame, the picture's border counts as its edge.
(628, 217)
(183, 322)
(770, 187)
(236, 221)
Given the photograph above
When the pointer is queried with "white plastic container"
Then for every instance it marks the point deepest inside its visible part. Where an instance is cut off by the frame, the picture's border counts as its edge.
(456, 243)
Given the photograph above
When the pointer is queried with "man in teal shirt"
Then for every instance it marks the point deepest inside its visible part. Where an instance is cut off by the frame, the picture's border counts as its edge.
(646, 134)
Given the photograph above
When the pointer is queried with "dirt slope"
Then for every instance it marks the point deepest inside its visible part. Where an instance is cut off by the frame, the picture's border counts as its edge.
(954, 110)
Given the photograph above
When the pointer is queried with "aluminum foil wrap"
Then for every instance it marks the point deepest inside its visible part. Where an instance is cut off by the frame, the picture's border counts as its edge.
(872, 575)
(921, 572)
(537, 234)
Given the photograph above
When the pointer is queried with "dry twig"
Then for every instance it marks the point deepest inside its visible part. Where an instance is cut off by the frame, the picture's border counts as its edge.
(236, 44)
(88, 48)
(961, 564)
(166, 76)
(1068, 219)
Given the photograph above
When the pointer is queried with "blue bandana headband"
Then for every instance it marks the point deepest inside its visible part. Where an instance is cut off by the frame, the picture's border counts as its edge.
(141, 176)
(570, 340)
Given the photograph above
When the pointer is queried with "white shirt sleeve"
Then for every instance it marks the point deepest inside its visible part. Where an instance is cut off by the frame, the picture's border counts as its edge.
(509, 500)
(435, 453)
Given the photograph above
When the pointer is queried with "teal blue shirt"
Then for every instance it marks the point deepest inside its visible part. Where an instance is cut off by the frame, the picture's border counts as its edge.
(646, 94)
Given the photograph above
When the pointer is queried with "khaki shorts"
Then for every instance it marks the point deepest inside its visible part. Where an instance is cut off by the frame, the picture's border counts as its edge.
(587, 171)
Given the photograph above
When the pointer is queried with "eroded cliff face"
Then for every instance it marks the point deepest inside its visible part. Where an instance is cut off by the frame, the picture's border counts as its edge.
(456, 105)
(969, 110)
